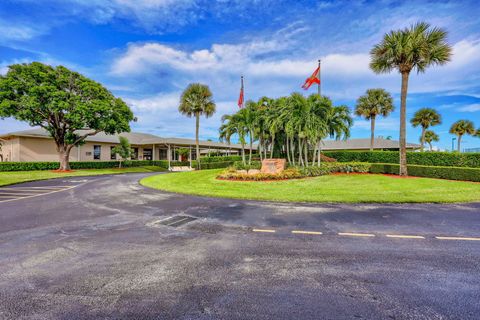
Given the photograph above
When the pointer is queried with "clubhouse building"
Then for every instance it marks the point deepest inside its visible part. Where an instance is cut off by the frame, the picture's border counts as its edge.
(37, 145)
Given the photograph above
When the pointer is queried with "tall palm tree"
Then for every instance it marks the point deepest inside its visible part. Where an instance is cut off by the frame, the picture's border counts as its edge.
(425, 117)
(461, 128)
(374, 103)
(197, 100)
(429, 137)
(414, 48)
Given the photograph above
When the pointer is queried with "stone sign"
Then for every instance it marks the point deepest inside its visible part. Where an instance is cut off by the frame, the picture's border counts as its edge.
(273, 166)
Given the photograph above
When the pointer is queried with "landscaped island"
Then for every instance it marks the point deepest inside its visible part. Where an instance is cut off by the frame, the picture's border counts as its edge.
(328, 188)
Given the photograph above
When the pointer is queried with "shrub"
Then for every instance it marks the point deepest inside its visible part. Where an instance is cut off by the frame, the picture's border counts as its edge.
(445, 159)
(451, 173)
(27, 166)
(232, 174)
(220, 159)
(333, 167)
(254, 165)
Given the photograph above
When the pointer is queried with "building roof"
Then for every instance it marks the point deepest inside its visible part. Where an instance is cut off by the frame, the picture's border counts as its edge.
(364, 144)
(135, 138)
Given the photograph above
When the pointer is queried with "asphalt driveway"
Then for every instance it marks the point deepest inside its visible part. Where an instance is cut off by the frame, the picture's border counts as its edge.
(106, 247)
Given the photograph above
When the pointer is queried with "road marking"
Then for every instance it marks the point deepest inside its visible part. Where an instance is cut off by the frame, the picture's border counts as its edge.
(177, 221)
(20, 194)
(264, 230)
(307, 232)
(356, 234)
(36, 188)
(458, 238)
(42, 194)
(403, 236)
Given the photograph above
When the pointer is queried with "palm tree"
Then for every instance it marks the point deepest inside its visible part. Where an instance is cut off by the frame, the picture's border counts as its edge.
(374, 103)
(197, 100)
(234, 124)
(425, 117)
(460, 128)
(414, 48)
(429, 137)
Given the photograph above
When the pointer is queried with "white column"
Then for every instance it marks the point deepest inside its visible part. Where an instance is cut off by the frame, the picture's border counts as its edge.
(190, 156)
(169, 156)
(153, 152)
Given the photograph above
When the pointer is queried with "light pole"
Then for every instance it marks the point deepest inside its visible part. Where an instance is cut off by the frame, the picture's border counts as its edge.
(453, 144)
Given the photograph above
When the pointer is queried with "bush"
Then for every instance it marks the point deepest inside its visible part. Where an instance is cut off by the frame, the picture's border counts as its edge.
(443, 159)
(232, 174)
(220, 159)
(254, 165)
(450, 173)
(333, 167)
(28, 166)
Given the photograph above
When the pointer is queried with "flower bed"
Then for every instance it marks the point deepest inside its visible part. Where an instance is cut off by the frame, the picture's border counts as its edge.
(253, 174)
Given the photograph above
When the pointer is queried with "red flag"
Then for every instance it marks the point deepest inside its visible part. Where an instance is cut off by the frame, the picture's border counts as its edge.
(314, 78)
(240, 98)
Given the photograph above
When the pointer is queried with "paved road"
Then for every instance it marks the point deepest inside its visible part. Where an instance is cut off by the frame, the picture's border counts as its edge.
(106, 247)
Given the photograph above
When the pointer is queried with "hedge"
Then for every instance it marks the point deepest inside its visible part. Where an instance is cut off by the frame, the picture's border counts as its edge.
(332, 167)
(27, 166)
(442, 159)
(450, 173)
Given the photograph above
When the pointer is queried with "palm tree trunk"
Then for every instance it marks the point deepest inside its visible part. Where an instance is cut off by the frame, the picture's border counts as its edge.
(372, 132)
(320, 152)
(306, 152)
(300, 155)
(403, 125)
(197, 143)
(251, 145)
(272, 145)
(243, 153)
(430, 144)
(422, 140)
(292, 149)
(459, 141)
(288, 152)
(314, 157)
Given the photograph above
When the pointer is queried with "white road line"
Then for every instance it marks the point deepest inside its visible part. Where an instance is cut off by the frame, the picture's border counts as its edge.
(38, 188)
(44, 194)
(458, 238)
(19, 193)
(351, 234)
(264, 230)
(404, 236)
(306, 232)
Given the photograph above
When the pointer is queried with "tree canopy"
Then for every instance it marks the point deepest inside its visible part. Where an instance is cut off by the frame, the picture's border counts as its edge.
(63, 102)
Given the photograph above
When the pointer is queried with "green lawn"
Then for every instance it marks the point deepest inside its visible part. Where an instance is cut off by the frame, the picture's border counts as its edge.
(332, 188)
(12, 177)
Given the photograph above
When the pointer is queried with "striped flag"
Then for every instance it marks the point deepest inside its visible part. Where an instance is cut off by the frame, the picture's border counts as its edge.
(314, 78)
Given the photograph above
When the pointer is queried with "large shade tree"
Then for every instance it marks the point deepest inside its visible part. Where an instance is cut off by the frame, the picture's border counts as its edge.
(375, 102)
(425, 117)
(415, 48)
(461, 128)
(68, 105)
(429, 137)
(197, 100)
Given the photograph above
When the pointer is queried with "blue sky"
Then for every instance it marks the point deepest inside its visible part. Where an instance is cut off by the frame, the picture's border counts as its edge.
(147, 51)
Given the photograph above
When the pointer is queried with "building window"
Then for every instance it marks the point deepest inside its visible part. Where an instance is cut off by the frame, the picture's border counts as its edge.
(97, 152)
(163, 154)
(147, 154)
(113, 154)
(135, 154)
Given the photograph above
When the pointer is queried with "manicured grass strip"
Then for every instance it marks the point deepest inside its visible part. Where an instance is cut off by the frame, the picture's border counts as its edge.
(332, 188)
(13, 177)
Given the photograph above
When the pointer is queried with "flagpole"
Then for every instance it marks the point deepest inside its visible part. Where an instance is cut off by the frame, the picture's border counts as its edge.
(319, 78)
(243, 92)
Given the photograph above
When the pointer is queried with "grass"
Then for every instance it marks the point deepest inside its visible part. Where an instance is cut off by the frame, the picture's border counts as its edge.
(332, 188)
(12, 177)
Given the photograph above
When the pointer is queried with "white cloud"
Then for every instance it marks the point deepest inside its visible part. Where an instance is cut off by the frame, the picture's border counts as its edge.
(18, 32)
(470, 108)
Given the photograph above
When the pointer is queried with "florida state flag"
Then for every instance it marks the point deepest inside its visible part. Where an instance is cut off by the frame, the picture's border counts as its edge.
(314, 78)
(240, 98)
